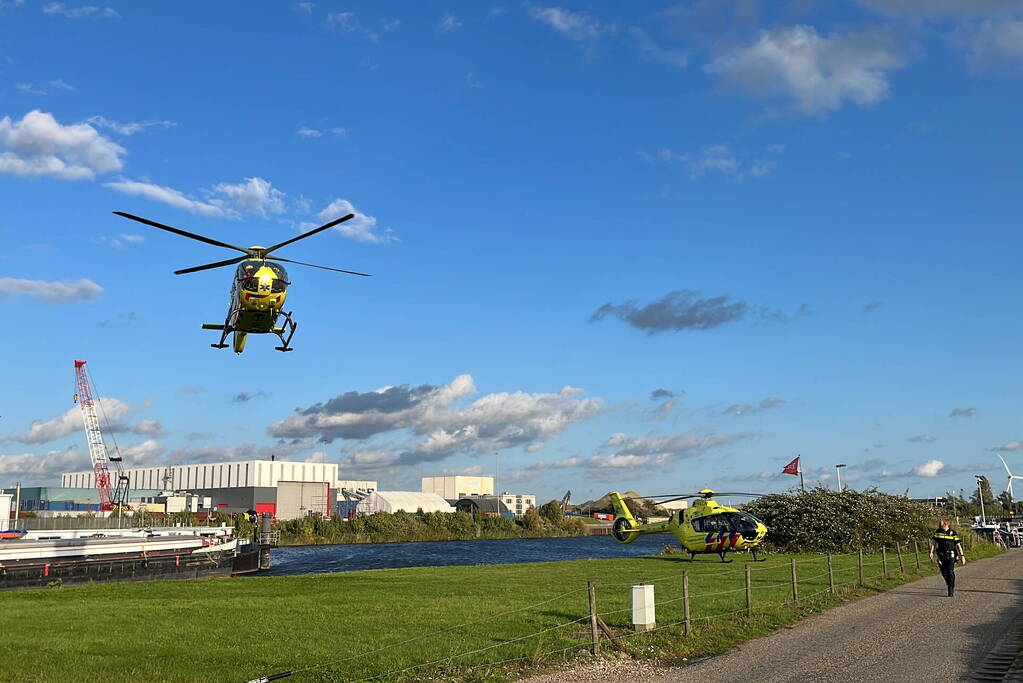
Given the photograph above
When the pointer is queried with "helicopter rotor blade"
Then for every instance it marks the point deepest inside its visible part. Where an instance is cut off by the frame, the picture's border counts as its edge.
(740, 493)
(313, 265)
(218, 264)
(183, 233)
(310, 234)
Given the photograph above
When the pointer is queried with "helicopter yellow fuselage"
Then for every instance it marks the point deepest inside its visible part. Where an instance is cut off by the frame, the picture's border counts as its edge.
(705, 527)
(258, 294)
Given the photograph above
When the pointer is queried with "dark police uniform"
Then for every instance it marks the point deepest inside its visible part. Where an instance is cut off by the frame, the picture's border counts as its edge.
(945, 543)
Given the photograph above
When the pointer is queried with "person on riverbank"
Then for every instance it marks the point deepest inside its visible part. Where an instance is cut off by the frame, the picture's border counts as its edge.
(945, 543)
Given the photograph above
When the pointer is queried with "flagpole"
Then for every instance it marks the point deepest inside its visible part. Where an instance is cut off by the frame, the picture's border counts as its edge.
(802, 487)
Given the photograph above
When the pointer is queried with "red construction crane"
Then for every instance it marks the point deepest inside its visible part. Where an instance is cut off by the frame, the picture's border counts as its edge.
(97, 449)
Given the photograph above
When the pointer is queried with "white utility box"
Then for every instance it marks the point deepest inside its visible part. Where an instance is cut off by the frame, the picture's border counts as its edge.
(643, 618)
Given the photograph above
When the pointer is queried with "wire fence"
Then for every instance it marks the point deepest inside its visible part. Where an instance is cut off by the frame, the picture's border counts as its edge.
(756, 591)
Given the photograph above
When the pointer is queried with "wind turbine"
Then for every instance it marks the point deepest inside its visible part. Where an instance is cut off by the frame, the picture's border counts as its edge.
(1011, 475)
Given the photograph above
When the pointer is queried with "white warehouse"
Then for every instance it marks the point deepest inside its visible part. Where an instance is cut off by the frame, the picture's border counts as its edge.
(287, 490)
(220, 475)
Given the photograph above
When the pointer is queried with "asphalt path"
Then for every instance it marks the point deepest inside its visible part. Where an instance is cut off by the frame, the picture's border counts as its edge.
(910, 633)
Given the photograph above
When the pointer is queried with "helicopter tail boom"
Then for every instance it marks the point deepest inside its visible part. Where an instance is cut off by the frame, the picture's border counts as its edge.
(625, 528)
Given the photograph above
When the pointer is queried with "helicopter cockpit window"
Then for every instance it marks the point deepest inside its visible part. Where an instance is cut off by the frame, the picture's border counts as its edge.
(742, 522)
(711, 524)
(278, 270)
(278, 286)
(250, 284)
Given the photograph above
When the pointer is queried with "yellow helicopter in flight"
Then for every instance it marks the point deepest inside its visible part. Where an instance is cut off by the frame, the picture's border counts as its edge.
(259, 290)
(704, 527)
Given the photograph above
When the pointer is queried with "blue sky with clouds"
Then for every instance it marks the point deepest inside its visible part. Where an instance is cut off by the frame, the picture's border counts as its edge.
(659, 247)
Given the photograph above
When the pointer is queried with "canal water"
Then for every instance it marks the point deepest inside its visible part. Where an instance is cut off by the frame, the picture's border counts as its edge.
(316, 559)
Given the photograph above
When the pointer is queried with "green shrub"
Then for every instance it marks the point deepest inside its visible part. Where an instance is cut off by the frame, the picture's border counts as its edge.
(821, 520)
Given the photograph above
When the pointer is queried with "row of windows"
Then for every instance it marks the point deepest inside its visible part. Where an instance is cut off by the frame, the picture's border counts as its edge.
(213, 476)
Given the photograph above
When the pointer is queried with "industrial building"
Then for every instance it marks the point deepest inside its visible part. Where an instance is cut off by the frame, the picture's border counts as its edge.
(518, 503)
(55, 499)
(407, 501)
(287, 490)
(483, 506)
(453, 487)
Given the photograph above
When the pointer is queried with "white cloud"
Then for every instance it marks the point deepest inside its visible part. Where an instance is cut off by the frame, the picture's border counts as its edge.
(941, 8)
(306, 7)
(817, 73)
(142, 454)
(148, 427)
(254, 195)
(1009, 446)
(64, 291)
(574, 25)
(741, 409)
(120, 241)
(30, 89)
(38, 145)
(41, 468)
(342, 20)
(632, 450)
(931, 468)
(656, 52)
(471, 471)
(225, 200)
(714, 159)
(45, 431)
(439, 426)
(472, 81)
(172, 197)
(346, 21)
(995, 44)
(663, 411)
(307, 132)
(128, 128)
(83, 12)
(449, 22)
(362, 228)
(242, 451)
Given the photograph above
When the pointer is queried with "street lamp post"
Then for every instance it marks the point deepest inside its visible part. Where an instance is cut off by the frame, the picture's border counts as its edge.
(980, 496)
(955, 510)
(838, 471)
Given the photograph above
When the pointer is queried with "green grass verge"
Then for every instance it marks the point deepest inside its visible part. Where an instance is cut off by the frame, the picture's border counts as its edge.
(355, 625)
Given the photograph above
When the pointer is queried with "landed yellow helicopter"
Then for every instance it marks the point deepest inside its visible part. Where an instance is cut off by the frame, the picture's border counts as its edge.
(704, 527)
(259, 289)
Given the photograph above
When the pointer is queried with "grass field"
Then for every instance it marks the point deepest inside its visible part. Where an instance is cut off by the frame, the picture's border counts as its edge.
(485, 623)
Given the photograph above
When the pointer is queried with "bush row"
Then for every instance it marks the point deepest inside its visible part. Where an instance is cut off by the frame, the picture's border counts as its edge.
(821, 520)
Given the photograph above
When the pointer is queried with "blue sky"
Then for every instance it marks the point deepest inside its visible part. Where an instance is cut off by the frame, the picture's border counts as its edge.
(659, 247)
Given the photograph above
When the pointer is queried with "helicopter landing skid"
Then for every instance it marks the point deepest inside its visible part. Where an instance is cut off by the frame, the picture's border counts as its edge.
(224, 331)
(287, 328)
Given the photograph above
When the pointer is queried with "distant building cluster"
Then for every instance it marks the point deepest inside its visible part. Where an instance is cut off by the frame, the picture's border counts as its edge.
(286, 490)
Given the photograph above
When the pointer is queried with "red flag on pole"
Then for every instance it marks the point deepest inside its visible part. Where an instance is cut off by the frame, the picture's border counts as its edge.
(792, 468)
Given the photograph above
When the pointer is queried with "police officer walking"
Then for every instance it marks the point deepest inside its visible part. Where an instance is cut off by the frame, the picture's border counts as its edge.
(945, 542)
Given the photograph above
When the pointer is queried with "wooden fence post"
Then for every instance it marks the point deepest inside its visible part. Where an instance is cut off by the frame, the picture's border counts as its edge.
(685, 603)
(884, 561)
(831, 575)
(795, 585)
(916, 551)
(749, 593)
(860, 552)
(898, 549)
(594, 633)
